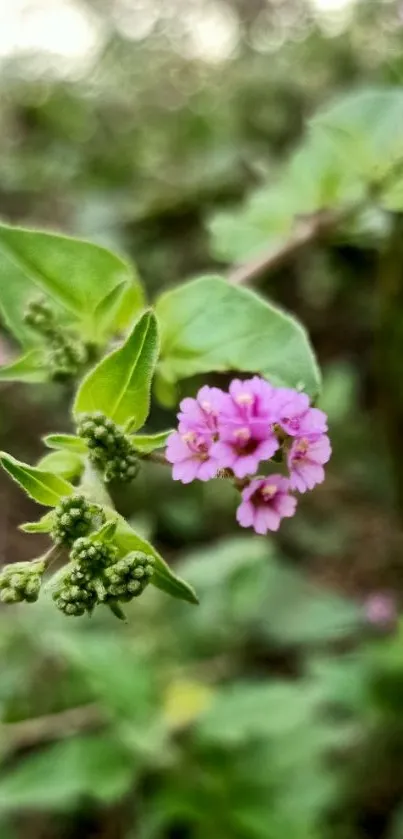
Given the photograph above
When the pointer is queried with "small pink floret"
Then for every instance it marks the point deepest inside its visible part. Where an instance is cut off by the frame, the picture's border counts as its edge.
(264, 503)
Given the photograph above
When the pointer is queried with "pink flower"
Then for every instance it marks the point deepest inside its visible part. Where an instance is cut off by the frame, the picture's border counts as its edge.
(295, 417)
(305, 461)
(190, 454)
(265, 502)
(245, 426)
(381, 609)
(202, 413)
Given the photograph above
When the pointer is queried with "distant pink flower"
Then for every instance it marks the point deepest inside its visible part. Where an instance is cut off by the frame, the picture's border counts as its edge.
(245, 426)
(295, 417)
(190, 454)
(201, 414)
(305, 461)
(265, 502)
(380, 609)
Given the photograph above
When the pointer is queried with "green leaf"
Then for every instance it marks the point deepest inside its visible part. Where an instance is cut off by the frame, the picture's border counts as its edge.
(163, 578)
(96, 766)
(66, 464)
(42, 486)
(105, 533)
(365, 129)
(146, 443)
(75, 274)
(120, 384)
(207, 325)
(68, 442)
(28, 368)
(43, 525)
(106, 310)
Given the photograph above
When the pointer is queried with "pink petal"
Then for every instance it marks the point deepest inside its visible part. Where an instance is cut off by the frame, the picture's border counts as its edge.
(177, 449)
(245, 514)
(266, 519)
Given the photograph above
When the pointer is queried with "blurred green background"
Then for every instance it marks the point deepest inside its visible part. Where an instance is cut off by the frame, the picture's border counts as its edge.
(274, 709)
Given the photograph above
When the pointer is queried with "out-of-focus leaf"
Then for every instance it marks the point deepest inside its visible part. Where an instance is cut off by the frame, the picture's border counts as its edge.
(207, 325)
(76, 274)
(366, 129)
(42, 486)
(29, 368)
(120, 384)
(95, 766)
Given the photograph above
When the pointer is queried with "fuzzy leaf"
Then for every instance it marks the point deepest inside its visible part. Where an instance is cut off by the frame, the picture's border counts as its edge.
(67, 464)
(207, 324)
(67, 442)
(75, 274)
(105, 533)
(120, 384)
(42, 486)
(146, 443)
(28, 368)
(128, 540)
(43, 525)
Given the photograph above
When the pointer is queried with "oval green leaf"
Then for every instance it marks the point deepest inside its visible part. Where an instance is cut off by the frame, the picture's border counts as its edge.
(44, 487)
(75, 274)
(28, 368)
(207, 325)
(66, 464)
(147, 443)
(43, 525)
(120, 384)
(163, 578)
(69, 442)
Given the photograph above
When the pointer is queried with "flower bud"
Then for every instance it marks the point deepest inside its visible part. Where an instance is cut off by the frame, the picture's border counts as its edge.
(40, 317)
(128, 577)
(75, 596)
(74, 517)
(65, 357)
(21, 581)
(110, 449)
(89, 556)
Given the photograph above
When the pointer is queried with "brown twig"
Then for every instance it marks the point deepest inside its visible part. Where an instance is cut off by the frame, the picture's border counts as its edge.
(306, 230)
(29, 732)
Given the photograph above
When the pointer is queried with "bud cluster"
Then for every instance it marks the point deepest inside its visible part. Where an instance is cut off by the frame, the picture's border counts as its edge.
(128, 577)
(75, 596)
(95, 575)
(21, 581)
(75, 517)
(110, 449)
(65, 354)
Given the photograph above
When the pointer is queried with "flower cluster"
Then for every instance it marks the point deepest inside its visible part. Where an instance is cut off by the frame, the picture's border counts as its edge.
(234, 432)
(65, 353)
(110, 449)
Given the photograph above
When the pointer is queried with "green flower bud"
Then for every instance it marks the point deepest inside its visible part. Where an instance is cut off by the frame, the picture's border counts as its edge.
(89, 556)
(21, 581)
(109, 448)
(65, 354)
(40, 317)
(75, 596)
(65, 357)
(75, 517)
(128, 577)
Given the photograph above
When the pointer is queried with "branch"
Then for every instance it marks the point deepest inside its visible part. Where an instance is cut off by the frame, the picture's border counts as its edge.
(306, 230)
(29, 732)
